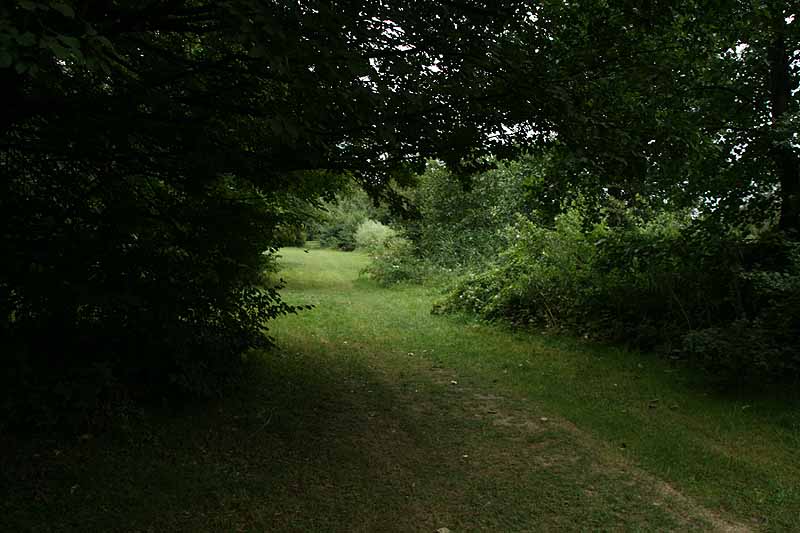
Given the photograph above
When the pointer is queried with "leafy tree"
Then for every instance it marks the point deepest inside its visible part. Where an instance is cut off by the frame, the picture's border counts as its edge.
(371, 236)
(460, 226)
(152, 151)
(686, 102)
(336, 222)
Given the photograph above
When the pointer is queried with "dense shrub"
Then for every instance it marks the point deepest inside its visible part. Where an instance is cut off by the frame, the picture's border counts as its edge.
(291, 235)
(765, 340)
(624, 270)
(371, 236)
(539, 279)
(461, 225)
(339, 230)
(668, 283)
(338, 221)
(134, 289)
(396, 262)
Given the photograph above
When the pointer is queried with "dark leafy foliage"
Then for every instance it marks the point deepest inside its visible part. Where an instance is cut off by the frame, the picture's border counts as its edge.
(763, 340)
(152, 153)
(670, 284)
(131, 281)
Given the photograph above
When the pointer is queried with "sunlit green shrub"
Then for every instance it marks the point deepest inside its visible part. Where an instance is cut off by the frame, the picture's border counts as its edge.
(463, 227)
(540, 279)
(670, 284)
(395, 262)
(337, 222)
(371, 236)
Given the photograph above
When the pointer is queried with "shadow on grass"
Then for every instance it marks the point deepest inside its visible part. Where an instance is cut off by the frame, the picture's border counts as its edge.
(283, 453)
(317, 441)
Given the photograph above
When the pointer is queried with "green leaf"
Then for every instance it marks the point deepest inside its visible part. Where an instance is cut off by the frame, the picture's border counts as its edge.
(5, 59)
(26, 39)
(258, 51)
(105, 42)
(71, 42)
(64, 9)
(59, 51)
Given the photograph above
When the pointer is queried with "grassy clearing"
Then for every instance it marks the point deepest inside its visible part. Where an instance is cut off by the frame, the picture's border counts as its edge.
(377, 416)
(734, 454)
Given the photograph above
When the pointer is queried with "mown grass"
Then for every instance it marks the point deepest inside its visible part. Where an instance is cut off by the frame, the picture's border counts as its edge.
(732, 452)
(374, 415)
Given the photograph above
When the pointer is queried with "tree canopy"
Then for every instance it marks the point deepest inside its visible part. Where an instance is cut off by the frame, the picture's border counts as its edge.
(150, 151)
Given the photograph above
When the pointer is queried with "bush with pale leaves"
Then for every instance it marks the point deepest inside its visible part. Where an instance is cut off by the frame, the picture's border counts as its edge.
(371, 236)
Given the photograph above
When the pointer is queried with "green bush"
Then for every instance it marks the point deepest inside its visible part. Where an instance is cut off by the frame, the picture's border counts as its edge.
(540, 279)
(395, 262)
(459, 227)
(136, 290)
(670, 284)
(290, 235)
(765, 341)
(338, 221)
(463, 227)
(339, 231)
(371, 236)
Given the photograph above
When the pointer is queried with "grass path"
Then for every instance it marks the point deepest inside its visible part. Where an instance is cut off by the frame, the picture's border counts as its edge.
(375, 415)
(534, 433)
